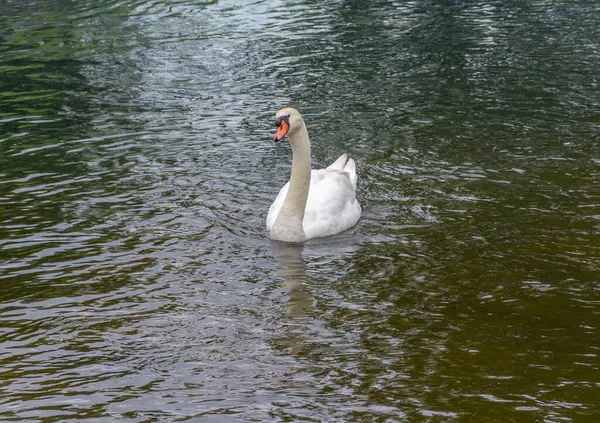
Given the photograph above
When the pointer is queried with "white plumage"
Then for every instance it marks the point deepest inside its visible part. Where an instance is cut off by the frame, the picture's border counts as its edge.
(321, 202)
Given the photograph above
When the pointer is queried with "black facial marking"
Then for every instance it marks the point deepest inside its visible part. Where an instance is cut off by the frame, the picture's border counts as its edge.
(286, 119)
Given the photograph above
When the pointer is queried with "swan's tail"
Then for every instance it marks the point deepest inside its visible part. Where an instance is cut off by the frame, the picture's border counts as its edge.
(344, 164)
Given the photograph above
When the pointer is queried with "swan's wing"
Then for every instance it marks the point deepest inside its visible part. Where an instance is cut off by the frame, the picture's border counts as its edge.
(339, 163)
(332, 206)
(350, 169)
(345, 164)
(315, 177)
(276, 206)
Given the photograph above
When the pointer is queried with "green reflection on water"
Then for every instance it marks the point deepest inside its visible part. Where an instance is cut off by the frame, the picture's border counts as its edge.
(136, 171)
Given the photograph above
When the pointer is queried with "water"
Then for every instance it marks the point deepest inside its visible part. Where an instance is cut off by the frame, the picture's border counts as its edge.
(137, 281)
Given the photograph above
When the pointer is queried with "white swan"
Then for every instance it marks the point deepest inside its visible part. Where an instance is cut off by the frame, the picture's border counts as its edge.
(313, 203)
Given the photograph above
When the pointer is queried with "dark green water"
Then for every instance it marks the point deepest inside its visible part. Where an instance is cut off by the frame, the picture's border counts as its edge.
(137, 281)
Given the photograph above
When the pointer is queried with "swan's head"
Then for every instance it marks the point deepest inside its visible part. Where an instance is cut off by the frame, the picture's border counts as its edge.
(288, 121)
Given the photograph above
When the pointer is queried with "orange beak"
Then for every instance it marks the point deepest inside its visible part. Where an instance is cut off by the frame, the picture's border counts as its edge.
(282, 129)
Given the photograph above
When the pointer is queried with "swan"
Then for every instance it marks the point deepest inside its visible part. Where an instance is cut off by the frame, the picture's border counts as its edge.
(313, 203)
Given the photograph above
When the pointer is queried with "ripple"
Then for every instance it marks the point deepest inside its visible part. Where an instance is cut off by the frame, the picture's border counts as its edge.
(136, 170)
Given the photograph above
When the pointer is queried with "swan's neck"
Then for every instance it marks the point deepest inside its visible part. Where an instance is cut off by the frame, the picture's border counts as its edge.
(288, 225)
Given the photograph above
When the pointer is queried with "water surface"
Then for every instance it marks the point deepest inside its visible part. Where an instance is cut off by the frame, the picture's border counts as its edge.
(137, 281)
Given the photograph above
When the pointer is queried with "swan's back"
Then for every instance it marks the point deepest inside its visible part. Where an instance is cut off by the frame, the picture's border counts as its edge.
(331, 206)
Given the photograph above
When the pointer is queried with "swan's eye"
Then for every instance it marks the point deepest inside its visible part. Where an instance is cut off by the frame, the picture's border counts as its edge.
(281, 120)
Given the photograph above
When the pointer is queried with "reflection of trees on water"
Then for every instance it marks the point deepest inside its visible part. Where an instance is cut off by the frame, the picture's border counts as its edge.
(57, 120)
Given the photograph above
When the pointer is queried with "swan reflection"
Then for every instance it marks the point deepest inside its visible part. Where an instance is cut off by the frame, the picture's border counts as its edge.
(293, 271)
